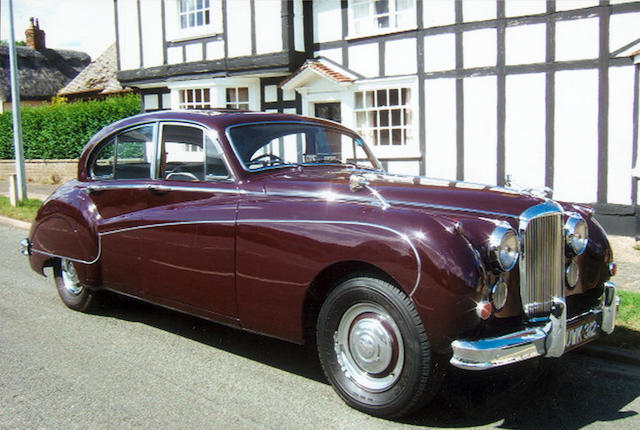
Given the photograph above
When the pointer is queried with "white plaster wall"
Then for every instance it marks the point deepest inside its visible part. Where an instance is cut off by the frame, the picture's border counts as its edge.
(575, 4)
(480, 129)
(270, 93)
(334, 54)
(478, 10)
(151, 33)
(401, 57)
(577, 40)
(327, 20)
(440, 120)
(194, 52)
(620, 134)
(480, 48)
(363, 59)
(288, 95)
(525, 129)
(525, 44)
(215, 50)
(129, 42)
(174, 55)
(239, 28)
(440, 52)
(171, 19)
(268, 26)
(150, 101)
(437, 13)
(404, 167)
(524, 7)
(166, 101)
(298, 25)
(576, 136)
(624, 29)
(621, 1)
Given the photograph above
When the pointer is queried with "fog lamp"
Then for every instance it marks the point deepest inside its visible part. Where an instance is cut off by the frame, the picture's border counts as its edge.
(572, 274)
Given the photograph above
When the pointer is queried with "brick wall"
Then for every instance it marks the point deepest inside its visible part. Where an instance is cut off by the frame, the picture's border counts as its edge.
(42, 171)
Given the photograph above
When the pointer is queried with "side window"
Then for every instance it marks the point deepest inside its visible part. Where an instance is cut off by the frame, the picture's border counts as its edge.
(134, 152)
(215, 167)
(182, 153)
(126, 156)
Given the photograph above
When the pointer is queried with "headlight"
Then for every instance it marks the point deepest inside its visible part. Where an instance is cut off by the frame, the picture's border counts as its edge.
(504, 248)
(576, 234)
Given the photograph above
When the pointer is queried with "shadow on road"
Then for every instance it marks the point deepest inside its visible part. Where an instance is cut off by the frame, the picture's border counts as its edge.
(566, 393)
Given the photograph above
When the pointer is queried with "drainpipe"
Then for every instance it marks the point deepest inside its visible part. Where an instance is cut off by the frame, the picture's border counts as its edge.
(635, 172)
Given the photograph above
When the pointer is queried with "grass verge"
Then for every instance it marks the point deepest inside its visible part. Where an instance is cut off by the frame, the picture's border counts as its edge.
(25, 211)
(627, 332)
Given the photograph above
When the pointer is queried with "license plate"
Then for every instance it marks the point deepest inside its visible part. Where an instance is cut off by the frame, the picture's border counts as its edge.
(582, 332)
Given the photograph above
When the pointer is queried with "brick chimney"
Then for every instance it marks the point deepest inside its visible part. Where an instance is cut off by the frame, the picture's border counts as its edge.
(35, 36)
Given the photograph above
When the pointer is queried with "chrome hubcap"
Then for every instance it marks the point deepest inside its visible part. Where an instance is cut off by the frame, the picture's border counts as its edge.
(369, 347)
(70, 279)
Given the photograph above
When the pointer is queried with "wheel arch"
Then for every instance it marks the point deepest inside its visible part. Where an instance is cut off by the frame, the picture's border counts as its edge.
(326, 281)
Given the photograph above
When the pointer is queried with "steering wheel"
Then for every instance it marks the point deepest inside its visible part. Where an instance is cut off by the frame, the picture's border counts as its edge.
(187, 174)
(269, 159)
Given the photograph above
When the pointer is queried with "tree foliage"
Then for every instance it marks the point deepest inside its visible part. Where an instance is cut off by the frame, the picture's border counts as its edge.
(60, 130)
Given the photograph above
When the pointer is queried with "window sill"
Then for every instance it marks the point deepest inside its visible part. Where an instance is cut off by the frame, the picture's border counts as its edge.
(194, 36)
(380, 32)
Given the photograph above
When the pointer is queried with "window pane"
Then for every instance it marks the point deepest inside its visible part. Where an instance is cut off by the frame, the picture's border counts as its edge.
(134, 152)
(394, 97)
(382, 98)
(384, 118)
(243, 94)
(215, 167)
(359, 102)
(396, 116)
(231, 95)
(192, 20)
(199, 4)
(384, 137)
(183, 21)
(102, 167)
(207, 21)
(406, 96)
(182, 156)
(205, 92)
(369, 97)
(200, 18)
(396, 137)
(382, 6)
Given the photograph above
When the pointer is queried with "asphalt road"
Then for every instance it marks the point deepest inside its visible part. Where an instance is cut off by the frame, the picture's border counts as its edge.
(135, 366)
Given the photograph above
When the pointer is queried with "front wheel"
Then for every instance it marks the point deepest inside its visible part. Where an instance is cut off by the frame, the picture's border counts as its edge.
(374, 350)
(72, 292)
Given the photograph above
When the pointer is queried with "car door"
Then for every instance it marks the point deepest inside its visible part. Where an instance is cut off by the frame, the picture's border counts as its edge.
(167, 203)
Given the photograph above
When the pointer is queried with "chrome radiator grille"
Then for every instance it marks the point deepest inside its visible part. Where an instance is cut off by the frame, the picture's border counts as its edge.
(542, 259)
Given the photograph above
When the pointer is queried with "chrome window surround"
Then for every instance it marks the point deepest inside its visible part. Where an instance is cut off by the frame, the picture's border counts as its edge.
(157, 138)
(541, 258)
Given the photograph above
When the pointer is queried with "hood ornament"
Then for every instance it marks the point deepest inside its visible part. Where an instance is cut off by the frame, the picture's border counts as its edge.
(359, 182)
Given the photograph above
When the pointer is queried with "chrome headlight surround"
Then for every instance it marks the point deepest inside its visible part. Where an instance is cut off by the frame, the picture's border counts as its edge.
(504, 248)
(576, 235)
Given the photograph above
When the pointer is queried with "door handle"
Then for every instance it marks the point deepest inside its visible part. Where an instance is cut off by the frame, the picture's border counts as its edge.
(158, 188)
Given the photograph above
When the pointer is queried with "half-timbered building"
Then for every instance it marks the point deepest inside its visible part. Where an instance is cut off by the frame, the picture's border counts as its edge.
(532, 92)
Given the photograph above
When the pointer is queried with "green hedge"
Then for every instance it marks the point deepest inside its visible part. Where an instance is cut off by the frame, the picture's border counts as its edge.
(60, 131)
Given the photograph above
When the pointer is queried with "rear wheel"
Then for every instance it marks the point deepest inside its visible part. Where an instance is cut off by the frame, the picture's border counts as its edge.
(374, 349)
(73, 293)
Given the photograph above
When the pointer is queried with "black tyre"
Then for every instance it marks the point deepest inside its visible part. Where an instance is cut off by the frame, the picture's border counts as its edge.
(374, 349)
(72, 292)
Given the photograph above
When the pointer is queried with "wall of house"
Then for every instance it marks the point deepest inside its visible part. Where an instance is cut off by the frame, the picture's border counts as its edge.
(540, 91)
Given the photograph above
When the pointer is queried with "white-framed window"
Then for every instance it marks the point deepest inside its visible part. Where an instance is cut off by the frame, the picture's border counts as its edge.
(237, 98)
(194, 14)
(195, 98)
(383, 116)
(380, 16)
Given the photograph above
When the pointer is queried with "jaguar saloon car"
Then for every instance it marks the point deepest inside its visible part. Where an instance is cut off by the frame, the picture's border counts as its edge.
(289, 226)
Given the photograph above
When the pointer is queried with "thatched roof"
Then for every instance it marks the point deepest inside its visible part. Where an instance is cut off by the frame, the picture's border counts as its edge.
(97, 78)
(41, 73)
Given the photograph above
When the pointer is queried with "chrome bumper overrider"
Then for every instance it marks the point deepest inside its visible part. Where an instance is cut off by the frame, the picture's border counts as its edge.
(25, 247)
(548, 340)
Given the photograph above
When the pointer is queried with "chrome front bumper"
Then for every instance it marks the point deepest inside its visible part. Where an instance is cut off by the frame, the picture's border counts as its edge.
(548, 340)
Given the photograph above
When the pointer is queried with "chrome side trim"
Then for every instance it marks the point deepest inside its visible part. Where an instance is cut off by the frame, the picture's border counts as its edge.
(451, 208)
(256, 221)
(159, 187)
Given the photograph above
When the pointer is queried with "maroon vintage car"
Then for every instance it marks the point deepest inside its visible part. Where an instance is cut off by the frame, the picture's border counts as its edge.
(288, 226)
